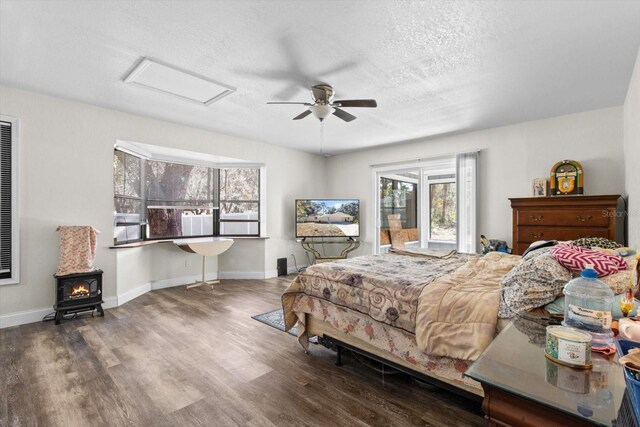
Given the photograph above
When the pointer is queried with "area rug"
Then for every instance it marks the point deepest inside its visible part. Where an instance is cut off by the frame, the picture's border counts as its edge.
(275, 319)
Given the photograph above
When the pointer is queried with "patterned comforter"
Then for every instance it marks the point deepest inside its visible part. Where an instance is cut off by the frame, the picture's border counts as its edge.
(384, 287)
(419, 295)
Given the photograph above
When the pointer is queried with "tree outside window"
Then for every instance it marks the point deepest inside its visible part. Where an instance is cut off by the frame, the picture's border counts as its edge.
(178, 200)
(442, 218)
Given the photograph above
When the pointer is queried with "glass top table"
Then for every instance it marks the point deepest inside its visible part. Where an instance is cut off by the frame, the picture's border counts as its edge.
(516, 364)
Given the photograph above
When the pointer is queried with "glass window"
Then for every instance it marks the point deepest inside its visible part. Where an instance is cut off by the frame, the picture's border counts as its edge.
(177, 200)
(9, 222)
(240, 201)
(442, 215)
(127, 201)
(400, 198)
(180, 200)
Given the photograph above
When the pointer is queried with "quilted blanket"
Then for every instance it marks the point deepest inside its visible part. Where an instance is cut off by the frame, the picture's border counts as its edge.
(384, 287)
(398, 290)
(77, 249)
(458, 312)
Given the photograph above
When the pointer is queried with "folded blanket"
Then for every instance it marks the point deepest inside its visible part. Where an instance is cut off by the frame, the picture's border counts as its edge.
(458, 312)
(77, 249)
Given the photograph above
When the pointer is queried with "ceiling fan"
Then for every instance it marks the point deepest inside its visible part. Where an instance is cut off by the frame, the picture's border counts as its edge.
(323, 104)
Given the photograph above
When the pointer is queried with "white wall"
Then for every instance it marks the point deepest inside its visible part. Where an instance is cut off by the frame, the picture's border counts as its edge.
(632, 154)
(511, 157)
(66, 178)
(133, 272)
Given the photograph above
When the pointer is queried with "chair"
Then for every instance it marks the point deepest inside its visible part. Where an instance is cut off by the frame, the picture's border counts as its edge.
(208, 247)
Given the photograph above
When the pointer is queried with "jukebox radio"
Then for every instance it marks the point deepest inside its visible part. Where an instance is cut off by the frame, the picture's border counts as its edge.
(566, 178)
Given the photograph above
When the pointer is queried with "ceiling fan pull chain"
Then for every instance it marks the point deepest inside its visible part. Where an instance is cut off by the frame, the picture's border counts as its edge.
(322, 138)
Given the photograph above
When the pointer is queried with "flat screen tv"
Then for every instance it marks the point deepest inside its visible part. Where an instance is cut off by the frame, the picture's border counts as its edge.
(327, 218)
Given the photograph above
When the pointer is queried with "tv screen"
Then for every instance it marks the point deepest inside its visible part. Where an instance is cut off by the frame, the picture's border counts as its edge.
(327, 218)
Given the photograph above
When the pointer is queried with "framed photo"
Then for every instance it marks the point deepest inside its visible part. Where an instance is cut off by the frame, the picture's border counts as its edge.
(539, 187)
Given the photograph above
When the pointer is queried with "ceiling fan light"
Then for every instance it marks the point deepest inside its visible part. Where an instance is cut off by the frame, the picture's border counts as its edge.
(322, 111)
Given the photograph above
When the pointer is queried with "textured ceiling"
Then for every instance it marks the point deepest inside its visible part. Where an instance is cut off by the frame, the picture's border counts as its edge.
(434, 67)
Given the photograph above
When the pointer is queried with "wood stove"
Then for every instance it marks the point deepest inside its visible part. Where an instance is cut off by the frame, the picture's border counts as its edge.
(79, 292)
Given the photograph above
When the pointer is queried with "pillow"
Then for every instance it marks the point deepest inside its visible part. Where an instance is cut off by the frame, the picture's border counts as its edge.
(576, 258)
(618, 282)
(539, 245)
(557, 307)
(537, 280)
(536, 253)
(596, 242)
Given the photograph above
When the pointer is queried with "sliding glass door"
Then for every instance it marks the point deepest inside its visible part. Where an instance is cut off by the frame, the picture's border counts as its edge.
(398, 195)
(431, 209)
(442, 214)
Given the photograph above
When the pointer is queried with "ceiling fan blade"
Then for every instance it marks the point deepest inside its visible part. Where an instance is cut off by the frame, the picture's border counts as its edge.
(296, 103)
(369, 103)
(343, 115)
(302, 115)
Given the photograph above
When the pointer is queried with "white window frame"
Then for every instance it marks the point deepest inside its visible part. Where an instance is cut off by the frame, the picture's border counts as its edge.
(15, 202)
(427, 182)
(438, 165)
(394, 175)
(179, 156)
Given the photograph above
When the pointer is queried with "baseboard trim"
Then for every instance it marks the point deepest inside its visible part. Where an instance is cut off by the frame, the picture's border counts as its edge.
(270, 274)
(36, 315)
(133, 293)
(180, 281)
(250, 275)
(110, 302)
(24, 317)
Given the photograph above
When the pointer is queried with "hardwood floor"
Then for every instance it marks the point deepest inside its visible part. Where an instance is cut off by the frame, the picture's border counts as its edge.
(196, 358)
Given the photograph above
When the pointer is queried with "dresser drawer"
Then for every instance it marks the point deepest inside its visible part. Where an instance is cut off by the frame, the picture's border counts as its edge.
(564, 217)
(531, 234)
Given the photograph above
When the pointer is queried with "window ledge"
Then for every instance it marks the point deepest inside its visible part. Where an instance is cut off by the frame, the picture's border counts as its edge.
(9, 281)
(194, 239)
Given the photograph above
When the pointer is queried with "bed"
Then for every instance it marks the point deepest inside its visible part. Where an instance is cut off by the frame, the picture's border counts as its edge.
(430, 312)
(396, 305)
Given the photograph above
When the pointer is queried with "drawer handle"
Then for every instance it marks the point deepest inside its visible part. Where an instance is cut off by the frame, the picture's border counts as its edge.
(536, 217)
(584, 219)
(536, 236)
(585, 237)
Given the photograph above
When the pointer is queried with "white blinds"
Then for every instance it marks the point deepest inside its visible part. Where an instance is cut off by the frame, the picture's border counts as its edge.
(5, 200)
(467, 190)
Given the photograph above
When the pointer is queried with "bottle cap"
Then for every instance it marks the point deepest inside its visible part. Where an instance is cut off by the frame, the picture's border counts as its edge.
(589, 272)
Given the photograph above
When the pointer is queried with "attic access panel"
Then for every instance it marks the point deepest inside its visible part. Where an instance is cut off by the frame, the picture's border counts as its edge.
(178, 82)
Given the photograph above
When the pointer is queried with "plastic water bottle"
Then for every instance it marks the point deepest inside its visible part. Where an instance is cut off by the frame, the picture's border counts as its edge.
(588, 305)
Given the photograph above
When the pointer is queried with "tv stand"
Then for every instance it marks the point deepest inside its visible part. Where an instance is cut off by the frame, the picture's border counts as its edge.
(312, 245)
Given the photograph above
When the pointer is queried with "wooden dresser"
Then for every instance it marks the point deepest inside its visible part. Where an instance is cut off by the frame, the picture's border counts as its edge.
(566, 218)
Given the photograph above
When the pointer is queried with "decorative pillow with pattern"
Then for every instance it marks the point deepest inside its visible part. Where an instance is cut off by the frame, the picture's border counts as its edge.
(537, 280)
(596, 242)
(576, 258)
(618, 282)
